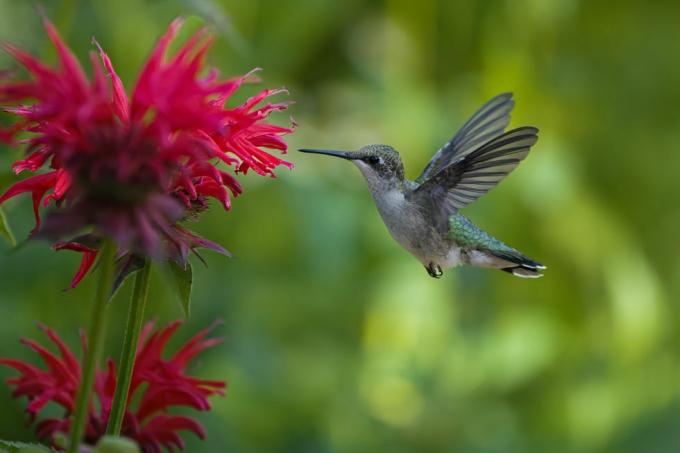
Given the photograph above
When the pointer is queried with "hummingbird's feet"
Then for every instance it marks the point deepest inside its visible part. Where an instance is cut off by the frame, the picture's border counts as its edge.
(434, 270)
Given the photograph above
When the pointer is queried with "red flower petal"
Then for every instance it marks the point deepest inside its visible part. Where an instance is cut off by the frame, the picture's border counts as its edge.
(130, 167)
(37, 185)
(194, 346)
(57, 367)
(66, 355)
(164, 385)
(69, 62)
(120, 100)
(33, 162)
(89, 257)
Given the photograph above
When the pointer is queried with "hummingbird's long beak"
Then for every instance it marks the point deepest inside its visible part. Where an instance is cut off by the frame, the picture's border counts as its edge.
(328, 152)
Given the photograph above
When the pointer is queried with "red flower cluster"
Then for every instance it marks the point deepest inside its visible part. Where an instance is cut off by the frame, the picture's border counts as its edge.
(162, 383)
(130, 168)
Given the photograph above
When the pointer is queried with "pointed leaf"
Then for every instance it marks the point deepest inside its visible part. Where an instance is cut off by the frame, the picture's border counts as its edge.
(5, 230)
(21, 447)
(184, 279)
(125, 267)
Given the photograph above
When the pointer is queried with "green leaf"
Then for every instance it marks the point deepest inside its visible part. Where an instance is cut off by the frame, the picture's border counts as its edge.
(125, 267)
(184, 279)
(7, 446)
(5, 230)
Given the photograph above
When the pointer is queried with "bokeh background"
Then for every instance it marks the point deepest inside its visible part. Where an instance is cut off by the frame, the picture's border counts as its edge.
(336, 339)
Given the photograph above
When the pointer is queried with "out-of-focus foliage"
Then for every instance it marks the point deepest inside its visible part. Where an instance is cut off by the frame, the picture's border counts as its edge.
(337, 340)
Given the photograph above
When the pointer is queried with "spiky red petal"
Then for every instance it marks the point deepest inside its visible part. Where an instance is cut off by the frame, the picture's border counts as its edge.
(160, 383)
(131, 167)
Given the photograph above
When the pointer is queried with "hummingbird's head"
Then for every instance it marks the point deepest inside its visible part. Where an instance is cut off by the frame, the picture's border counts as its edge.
(378, 163)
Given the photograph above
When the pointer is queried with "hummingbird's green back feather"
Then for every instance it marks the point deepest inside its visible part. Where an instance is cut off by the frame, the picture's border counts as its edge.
(468, 236)
(471, 238)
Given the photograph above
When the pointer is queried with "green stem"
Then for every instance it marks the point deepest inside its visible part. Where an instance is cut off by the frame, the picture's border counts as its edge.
(127, 358)
(96, 336)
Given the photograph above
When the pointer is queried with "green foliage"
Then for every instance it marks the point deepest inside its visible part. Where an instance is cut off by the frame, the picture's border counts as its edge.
(183, 280)
(21, 447)
(5, 230)
(125, 268)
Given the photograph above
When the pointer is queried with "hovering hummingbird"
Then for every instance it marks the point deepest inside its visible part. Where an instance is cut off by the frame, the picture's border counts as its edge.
(422, 215)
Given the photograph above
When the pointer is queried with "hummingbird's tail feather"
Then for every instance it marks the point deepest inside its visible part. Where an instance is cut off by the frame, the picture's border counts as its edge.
(523, 272)
(483, 250)
(519, 265)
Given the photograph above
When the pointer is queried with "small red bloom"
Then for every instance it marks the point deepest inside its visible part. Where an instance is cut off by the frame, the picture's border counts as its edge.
(157, 384)
(130, 168)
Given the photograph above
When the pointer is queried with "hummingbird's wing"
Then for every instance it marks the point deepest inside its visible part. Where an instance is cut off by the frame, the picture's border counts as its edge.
(486, 124)
(462, 182)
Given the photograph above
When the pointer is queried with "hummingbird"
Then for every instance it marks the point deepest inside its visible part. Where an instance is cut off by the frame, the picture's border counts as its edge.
(422, 215)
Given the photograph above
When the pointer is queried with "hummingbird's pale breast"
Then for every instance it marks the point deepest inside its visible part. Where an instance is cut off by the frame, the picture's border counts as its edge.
(407, 222)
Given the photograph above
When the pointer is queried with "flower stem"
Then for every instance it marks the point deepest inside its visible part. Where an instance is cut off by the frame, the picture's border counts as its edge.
(127, 359)
(96, 335)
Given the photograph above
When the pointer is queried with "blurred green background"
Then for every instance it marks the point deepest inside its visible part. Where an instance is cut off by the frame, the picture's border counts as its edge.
(336, 339)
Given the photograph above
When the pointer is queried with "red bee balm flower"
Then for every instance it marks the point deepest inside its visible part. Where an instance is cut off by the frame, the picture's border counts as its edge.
(130, 168)
(157, 384)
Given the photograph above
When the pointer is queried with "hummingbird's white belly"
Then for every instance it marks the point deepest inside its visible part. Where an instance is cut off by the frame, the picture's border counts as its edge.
(457, 256)
(452, 259)
(415, 233)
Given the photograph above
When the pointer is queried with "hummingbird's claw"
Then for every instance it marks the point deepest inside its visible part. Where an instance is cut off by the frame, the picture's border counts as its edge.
(434, 270)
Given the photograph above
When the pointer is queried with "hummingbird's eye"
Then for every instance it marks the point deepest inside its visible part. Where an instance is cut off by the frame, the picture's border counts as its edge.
(373, 160)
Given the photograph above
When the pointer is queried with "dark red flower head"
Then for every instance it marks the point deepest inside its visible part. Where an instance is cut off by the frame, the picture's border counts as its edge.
(157, 385)
(129, 168)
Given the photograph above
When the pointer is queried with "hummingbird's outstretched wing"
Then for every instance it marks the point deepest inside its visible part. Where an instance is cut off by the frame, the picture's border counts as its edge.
(468, 178)
(486, 124)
